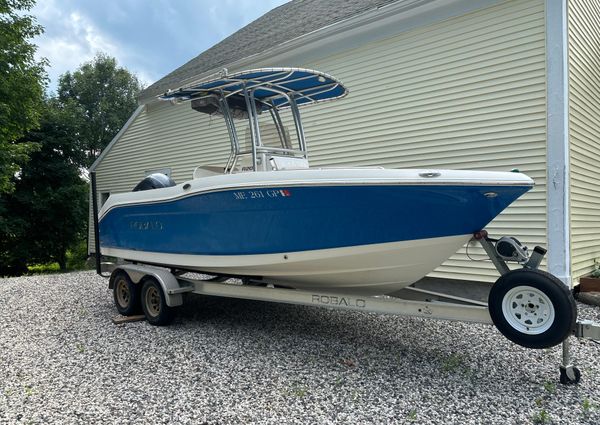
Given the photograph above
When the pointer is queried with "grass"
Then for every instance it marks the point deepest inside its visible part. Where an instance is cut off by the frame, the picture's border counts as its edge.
(542, 417)
(76, 260)
(412, 415)
(29, 390)
(586, 407)
(550, 387)
(454, 363)
(297, 390)
(48, 268)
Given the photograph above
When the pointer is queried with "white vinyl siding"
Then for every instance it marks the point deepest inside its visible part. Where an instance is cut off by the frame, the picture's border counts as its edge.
(465, 93)
(584, 132)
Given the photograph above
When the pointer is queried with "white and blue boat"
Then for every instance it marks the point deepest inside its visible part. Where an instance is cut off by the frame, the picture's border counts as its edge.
(266, 215)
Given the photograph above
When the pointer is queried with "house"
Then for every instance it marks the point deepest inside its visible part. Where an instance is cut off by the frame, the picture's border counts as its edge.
(460, 84)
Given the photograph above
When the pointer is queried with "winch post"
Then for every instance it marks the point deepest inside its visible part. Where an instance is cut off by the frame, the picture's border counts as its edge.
(536, 258)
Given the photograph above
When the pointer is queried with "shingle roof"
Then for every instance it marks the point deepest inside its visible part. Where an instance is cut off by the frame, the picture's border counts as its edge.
(284, 23)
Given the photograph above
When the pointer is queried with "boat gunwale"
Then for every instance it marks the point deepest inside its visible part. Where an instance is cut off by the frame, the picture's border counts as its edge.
(295, 183)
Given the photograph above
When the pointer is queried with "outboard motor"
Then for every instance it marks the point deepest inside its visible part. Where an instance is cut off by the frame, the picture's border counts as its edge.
(154, 181)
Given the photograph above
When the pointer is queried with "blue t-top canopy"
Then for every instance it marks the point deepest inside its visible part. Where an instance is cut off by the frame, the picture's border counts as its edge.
(270, 87)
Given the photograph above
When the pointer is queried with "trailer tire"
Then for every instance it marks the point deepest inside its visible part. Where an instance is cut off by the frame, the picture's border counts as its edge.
(532, 308)
(126, 294)
(154, 303)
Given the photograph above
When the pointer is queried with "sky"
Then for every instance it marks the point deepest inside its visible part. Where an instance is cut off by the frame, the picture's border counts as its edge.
(148, 37)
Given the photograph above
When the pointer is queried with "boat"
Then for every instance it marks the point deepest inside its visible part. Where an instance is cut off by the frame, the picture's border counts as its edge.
(265, 215)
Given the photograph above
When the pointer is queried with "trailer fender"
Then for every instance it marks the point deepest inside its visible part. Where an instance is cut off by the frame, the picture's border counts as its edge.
(167, 281)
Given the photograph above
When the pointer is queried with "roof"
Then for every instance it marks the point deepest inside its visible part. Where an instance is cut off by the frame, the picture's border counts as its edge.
(270, 87)
(284, 23)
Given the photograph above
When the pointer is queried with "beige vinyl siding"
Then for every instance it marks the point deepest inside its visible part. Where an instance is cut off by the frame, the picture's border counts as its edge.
(162, 136)
(465, 93)
(584, 133)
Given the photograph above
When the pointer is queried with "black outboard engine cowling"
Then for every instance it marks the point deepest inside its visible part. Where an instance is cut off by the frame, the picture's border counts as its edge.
(154, 181)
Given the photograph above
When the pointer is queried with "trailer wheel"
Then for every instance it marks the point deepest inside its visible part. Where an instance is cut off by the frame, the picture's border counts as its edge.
(154, 304)
(126, 294)
(532, 308)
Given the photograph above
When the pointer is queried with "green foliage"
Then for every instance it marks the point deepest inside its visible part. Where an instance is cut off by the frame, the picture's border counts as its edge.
(453, 363)
(586, 407)
(296, 390)
(100, 97)
(29, 391)
(596, 271)
(43, 268)
(47, 213)
(46, 144)
(76, 260)
(22, 83)
(542, 417)
(77, 256)
(550, 387)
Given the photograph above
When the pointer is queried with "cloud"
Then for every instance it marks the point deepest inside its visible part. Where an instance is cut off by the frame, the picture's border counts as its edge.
(70, 39)
(150, 38)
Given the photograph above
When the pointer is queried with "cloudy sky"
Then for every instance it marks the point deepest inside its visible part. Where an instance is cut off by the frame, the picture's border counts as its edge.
(148, 37)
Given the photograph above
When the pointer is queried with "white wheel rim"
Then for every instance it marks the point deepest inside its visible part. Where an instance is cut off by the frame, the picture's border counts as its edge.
(528, 310)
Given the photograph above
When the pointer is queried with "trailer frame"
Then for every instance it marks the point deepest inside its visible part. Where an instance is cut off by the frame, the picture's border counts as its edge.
(422, 299)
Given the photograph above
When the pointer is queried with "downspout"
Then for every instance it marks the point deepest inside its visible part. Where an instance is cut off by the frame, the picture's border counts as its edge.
(557, 98)
(97, 254)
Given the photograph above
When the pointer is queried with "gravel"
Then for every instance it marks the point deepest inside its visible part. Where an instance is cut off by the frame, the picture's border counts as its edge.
(233, 361)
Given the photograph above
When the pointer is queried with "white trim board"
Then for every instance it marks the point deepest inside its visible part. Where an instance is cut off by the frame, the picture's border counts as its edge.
(557, 75)
(116, 138)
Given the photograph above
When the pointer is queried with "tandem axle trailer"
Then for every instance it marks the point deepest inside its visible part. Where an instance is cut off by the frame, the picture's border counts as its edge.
(530, 307)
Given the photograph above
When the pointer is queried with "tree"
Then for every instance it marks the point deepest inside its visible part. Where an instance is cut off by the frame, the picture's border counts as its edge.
(47, 212)
(103, 96)
(22, 83)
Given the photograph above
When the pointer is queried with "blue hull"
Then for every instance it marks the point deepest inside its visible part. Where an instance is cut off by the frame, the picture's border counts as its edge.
(289, 219)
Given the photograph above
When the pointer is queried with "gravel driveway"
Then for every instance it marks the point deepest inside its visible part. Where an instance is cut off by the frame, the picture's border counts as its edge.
(232, 361)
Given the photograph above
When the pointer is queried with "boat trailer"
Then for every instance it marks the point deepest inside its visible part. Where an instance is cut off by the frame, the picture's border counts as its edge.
(529, 306)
